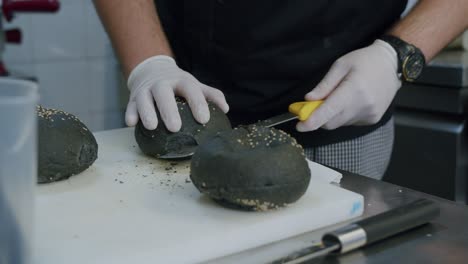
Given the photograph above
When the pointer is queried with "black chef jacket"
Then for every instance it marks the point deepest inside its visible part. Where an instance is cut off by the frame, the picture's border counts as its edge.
(266, 54)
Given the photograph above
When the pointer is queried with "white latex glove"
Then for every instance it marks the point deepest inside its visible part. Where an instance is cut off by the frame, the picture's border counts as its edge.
(159, 79)
(357, 90)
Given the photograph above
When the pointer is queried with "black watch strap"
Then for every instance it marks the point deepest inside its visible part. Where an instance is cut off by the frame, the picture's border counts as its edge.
(403, 49)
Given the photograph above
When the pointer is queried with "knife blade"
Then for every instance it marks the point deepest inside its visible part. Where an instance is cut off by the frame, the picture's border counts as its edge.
(367, 231)
(297, 110)
(279, 119)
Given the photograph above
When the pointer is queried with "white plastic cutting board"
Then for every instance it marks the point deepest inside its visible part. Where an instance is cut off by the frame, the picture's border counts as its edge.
(128, 208)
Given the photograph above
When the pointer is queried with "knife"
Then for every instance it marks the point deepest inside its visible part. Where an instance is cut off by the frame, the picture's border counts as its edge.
(297, 110)
(367, 231)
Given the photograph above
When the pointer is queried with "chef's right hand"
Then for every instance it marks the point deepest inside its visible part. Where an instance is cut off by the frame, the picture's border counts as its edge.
(160, 78)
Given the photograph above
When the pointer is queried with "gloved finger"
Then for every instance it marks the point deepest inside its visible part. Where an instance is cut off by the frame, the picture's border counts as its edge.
(335, 103)
(337, 121)
(216, 96)
(369, 118)
(146, 110)
(322, 115)
(332, 79)
(167, 106)
(342, 99)
(131, 114)
(196, 100)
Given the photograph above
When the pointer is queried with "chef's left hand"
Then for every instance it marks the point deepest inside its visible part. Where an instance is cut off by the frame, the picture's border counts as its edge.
(357, 90)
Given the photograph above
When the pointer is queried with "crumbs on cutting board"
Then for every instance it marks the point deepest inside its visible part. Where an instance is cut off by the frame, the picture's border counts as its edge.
(155, 173)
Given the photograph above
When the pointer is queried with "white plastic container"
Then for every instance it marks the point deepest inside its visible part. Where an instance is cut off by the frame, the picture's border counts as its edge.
(18, 168)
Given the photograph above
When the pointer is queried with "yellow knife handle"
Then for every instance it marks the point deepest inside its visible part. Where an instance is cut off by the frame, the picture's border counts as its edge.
(303, 110)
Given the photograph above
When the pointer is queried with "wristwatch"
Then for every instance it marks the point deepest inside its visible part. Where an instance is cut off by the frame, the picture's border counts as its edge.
(411, 60)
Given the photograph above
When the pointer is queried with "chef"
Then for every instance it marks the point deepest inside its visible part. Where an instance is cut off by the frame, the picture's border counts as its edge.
(254, 58)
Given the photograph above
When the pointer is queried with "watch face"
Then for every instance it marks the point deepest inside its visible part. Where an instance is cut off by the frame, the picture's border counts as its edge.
(413, 66)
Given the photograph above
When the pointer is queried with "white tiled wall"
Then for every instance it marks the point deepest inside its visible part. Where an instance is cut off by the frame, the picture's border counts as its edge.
(72, 58)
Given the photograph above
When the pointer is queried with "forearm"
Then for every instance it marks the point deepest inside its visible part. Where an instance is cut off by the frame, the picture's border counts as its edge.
(134, 29)
(432, 24)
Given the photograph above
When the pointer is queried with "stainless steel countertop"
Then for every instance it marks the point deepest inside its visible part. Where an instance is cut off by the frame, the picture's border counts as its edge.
(445, 240)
